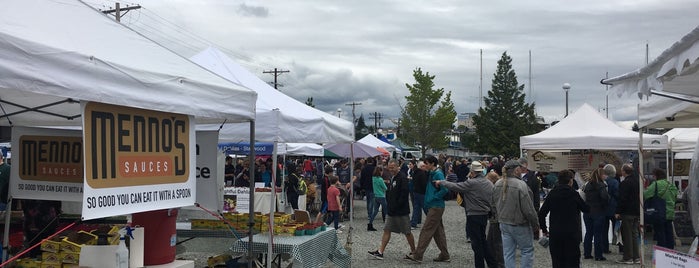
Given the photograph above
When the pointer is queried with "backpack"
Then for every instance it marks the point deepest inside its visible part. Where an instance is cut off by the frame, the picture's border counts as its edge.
(302, 188)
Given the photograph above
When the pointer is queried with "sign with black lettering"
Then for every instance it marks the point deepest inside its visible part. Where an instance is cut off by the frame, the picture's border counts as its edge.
(136, 160)
(48, 164)
(209, 174)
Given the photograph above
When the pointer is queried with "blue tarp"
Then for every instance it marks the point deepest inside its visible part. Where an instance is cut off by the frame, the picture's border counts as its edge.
(243, 148)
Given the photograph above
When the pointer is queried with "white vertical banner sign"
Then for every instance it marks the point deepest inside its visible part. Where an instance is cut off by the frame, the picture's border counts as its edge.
(136, 160)
(48, 164)
(209, 172)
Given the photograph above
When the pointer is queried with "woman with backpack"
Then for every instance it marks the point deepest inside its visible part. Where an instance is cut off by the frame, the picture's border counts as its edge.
(662, 230)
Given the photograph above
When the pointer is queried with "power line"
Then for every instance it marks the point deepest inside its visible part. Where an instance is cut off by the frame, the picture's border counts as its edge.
(276, 73)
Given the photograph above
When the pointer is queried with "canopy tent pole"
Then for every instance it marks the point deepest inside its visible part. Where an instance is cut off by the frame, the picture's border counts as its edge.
(272, 206)
(351, 208)
(251, 211)
(6, 234)
(641, 180)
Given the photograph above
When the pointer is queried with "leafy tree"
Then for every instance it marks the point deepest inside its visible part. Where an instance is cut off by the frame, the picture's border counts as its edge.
(428, 114)
(309, 102)
(506, 116)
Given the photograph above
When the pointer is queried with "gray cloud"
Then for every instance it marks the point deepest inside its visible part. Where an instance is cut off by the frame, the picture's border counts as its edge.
(253, 11)
(365, 51)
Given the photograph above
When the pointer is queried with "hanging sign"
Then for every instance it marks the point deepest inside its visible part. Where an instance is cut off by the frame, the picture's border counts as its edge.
(48, 164)
(136, 160)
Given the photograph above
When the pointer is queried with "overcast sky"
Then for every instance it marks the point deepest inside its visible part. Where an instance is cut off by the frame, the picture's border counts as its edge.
(340, 52)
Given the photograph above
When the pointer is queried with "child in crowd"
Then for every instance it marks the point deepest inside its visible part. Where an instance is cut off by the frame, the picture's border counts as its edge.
(334, 207)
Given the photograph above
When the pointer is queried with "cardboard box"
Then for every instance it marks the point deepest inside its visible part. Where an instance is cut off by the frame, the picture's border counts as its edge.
(53, 245)
(50, 257)
(69, 257)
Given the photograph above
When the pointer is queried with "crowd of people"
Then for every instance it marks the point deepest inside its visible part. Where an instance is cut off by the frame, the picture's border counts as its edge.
(507, 206)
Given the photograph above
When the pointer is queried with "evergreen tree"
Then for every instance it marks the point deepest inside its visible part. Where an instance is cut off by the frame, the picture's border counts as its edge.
(428, 114)
(506, 116)
(360, 128)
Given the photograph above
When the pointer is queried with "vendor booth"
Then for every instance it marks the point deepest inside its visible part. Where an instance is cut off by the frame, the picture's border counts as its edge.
(279, 119)
(136, 102)
(669, 83)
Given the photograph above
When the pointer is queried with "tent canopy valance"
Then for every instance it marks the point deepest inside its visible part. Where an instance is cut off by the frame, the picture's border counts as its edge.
(50, 62)
(587, 129)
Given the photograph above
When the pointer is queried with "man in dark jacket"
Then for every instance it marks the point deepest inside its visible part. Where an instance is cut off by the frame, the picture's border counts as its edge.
(366, 182)
(398, 220)
(419, 181)
(529, 176)
(628, 211)
(565, 234)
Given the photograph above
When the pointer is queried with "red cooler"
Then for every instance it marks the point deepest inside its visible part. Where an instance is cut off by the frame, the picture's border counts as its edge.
(160, 235)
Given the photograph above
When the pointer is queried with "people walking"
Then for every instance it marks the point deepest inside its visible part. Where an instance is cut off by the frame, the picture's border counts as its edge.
(418, 181)
(613, 191)
(628, 211)
(367, 185)
(565, 205)
(477, 201)
(516, 214)
(433, 227)
(379, 194)
(398, 220)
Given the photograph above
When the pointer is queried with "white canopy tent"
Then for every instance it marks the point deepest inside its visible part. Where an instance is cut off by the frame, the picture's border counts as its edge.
(588, 129)
(308, 149)
(674, 76)
(682, 139)
(54, 57)
(279, 118)
(371, 140)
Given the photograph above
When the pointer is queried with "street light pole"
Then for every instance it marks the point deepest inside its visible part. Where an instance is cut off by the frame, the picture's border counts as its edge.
(566, 88)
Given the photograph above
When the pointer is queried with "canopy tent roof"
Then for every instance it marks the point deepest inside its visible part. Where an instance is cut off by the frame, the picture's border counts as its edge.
(587, 129)
(675, 70)
(279, 117)
(662, 112)
(370, 140)
(682, 139)
(358, 149)
(65, 52)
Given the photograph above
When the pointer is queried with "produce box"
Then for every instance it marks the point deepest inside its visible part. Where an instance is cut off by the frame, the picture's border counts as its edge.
(28, 263)
(73, 242)
(71, 265)
(53, 245)
(70, 257)
(50, 257)
(50, 265)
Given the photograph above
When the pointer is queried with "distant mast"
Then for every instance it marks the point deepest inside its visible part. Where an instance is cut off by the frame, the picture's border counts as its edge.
(480, 87)
(530, 77)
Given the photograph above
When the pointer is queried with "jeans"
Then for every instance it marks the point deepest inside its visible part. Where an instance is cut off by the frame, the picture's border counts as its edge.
(380, 202)
(370, 206)
(475, 227)
(514, 236)
(595, 226)
(629, 236)
(334, 217)
(663, 234)
(418, 204)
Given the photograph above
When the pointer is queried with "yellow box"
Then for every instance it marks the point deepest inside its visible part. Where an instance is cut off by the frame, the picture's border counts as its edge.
(73, 242)
(28, 263)
(50, 257)
(51, 245)
(69, 257)
(50, 265)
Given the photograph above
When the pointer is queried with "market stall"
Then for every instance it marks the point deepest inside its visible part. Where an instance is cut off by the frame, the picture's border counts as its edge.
(670, 84)
(88, 71)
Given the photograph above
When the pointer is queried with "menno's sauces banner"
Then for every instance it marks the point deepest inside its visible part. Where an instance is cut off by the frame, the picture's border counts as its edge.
(47, 164)
(136, 160)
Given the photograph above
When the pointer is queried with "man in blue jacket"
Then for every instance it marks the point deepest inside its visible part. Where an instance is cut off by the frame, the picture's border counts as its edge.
(434, 203)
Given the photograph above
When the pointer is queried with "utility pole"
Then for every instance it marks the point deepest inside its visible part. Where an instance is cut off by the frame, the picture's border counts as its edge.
(117, 11)
(276, 73)
(377, 121)
(354, 118)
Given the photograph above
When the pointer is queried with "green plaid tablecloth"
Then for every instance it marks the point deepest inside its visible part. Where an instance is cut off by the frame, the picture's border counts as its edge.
(310, 250)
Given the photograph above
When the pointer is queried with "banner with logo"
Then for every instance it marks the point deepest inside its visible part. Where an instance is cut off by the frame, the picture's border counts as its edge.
(47, 164)
(210, 170)
(578, 160)
(136, 160)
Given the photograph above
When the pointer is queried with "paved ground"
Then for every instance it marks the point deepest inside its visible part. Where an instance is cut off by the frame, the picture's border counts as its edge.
(201, 248)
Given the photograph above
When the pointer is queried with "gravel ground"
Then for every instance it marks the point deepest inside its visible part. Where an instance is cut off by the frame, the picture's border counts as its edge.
(200, 249)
